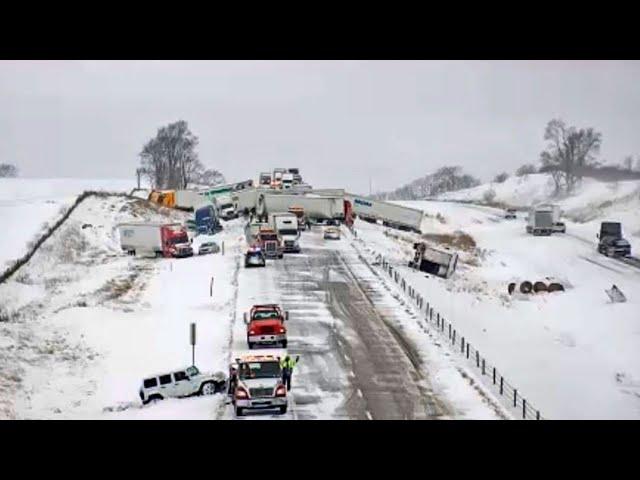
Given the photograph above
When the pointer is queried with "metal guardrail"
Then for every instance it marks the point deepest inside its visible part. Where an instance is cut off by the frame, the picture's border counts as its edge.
(459, 343)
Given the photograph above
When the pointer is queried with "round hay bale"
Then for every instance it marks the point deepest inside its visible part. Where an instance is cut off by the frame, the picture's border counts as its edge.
(540, 287)
(556, 287)
(511, 288)
(526, 287)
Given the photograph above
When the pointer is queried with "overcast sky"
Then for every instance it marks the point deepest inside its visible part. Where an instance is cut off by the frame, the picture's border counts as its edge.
(340, 122)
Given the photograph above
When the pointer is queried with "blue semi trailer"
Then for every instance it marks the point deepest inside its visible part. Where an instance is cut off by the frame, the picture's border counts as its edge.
(206, 220)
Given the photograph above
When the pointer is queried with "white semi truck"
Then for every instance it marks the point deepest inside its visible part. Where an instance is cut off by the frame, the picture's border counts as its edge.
(540, 221)
(316, 208)
(391, 215)
(286, 224)
(558, 226)
(225, 206)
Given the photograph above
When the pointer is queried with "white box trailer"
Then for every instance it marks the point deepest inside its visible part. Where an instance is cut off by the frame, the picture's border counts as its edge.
(540, 221)
(190, 199)
(245, 200)
(391, 215)
(317, 208)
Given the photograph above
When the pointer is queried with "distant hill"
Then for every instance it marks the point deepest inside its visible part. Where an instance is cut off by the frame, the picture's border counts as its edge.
(445, 179)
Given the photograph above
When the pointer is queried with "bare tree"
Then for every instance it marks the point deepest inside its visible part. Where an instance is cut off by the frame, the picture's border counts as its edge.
(169, 159)
(8, 170)
(525, 169)
(568, 151)
(501, 177)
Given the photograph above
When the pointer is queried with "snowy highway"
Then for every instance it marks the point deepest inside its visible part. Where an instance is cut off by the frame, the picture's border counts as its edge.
(353, 365)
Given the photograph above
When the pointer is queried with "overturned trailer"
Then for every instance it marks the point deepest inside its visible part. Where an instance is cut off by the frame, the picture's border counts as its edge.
(433, 261)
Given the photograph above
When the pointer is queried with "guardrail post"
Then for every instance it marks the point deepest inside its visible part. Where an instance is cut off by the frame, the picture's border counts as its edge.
(454, 338)
(515, 396)
(483, 366)
(494, 375)
(501, 384)
(462, 345)
(537, 414)
(477, 358)
(467, 350)
(524, 408)
(449, 330)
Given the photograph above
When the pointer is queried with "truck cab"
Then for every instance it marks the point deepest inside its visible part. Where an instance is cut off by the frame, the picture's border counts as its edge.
(256, 383)
(206, 220)
(286, 224)
(175, 242)
(265, 179)
(270, 242)
(287, 181)
(265, 326)
(226, 207)
(611, 242)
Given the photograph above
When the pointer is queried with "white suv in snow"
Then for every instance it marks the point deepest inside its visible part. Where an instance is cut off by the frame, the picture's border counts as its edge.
(181, 383)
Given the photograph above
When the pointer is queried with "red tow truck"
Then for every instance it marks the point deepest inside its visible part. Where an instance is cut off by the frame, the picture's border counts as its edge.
(265, 325)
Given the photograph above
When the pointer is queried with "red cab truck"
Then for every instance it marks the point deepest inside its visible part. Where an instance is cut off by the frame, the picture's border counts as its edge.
(159, 239)
(270, 242)
(265, 326)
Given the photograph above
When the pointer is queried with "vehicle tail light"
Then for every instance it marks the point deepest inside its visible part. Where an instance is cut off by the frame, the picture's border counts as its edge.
(281, 391)
(241, 393)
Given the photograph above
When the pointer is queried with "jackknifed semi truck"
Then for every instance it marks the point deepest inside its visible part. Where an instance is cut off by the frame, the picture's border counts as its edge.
(158, 239)
(390, 214)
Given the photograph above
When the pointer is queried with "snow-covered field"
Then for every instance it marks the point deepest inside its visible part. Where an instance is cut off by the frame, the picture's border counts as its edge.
(26, 204)
(572, 354)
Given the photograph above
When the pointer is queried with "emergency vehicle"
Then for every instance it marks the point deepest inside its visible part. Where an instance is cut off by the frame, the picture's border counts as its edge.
(256, 383)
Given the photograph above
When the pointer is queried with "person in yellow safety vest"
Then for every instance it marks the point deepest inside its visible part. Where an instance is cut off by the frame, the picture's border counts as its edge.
(286, 364)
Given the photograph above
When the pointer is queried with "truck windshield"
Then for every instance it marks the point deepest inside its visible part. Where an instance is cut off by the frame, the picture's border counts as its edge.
(265, 315)
(226, 205)
(268, 236)
(178, 239)
(260, 370)
(292, 231)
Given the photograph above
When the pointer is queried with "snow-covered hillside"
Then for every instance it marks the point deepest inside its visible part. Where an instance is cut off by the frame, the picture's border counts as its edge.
(26, 204)
(592, 202)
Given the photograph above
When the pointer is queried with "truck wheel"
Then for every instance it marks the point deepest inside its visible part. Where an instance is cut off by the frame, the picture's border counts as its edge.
(154, 399)
(281, 255)
(239, 411)
(208, 388)
(284, 344)
(250, 345)
(283, 410)
(556, 287)
(511, 288)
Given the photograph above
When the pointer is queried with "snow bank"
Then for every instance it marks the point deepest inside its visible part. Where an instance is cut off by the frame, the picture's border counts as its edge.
(27, 204)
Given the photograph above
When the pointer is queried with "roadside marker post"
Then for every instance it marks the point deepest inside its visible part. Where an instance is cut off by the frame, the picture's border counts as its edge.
(211, 288)
(192, 331)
